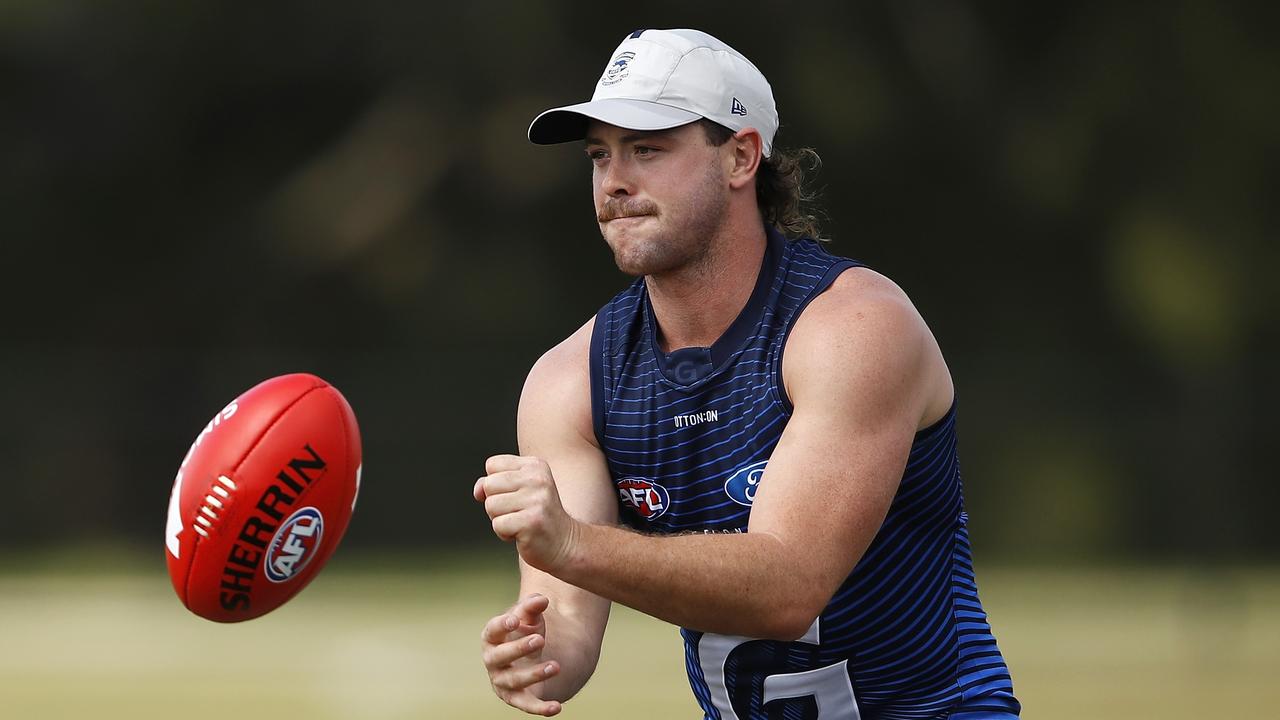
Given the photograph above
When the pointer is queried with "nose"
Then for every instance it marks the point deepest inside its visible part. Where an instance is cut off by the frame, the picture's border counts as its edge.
(615, 179)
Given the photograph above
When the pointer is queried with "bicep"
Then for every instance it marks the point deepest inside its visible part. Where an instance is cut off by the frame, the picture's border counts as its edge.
(554, 424)
(858, 387)
(828, 487)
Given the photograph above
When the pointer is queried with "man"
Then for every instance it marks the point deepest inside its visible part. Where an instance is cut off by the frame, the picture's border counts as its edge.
(775, 425)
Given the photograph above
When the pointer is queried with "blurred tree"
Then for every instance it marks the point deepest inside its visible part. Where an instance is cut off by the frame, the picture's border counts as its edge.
(197, 196)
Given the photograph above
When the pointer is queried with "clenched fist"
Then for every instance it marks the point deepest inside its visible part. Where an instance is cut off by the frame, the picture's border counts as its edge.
(519, 494)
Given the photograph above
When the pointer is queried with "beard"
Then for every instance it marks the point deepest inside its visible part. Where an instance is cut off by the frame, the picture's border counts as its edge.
(670, 239)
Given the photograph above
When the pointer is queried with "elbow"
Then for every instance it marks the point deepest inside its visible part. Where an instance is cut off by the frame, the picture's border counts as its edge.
(796, 600)
(789, 622)
(571, 679)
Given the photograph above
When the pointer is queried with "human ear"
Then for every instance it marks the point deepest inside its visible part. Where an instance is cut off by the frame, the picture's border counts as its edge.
(746, 148)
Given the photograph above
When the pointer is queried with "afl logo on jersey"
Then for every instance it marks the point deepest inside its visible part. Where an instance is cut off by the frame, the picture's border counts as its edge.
(646, 497)
(742, 484)
(294, 544)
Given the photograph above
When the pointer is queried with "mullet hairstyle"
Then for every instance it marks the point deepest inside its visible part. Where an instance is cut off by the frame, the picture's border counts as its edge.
(785, 201)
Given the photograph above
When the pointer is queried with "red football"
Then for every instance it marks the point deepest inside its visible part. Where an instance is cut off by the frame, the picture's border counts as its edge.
(262, 498)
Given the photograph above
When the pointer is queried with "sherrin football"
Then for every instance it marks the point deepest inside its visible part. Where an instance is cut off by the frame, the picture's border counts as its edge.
(263, 498)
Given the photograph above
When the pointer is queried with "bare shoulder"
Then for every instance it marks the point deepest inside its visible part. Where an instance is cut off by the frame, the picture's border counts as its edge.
(863, 337)
(861, 297)
(557, 391)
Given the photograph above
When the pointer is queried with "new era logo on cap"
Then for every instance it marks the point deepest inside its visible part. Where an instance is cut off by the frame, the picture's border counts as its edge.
(660, 79)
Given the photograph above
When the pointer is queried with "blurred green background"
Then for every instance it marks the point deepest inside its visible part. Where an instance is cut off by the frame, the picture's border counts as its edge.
(196, 196)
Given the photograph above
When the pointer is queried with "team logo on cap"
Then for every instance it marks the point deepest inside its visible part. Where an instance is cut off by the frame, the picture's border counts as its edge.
(617, 70)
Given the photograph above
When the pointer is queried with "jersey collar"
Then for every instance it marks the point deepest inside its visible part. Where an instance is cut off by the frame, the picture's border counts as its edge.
(690, 366)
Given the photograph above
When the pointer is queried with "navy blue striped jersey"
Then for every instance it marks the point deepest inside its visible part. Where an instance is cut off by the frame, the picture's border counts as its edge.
(687, 436)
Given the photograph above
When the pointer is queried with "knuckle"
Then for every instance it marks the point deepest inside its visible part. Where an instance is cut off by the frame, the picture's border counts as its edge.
(537, 516)
(513, 682)
(503, 529)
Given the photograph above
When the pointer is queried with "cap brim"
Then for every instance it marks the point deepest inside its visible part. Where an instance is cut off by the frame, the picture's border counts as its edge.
(569, 123)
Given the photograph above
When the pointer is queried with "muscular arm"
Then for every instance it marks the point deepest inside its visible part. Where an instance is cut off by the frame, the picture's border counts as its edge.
(554, 424)
(863, 374)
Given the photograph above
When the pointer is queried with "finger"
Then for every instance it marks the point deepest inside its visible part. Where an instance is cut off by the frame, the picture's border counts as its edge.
(532, 704)
(509, 526)
(529, 610)
(490, 486)
(502, 656)
(505, 503)
(524, 676)
(499, 463)
(503, 481)
(497, 629)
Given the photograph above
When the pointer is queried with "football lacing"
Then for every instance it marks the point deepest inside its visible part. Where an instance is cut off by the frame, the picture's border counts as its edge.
(209, 510)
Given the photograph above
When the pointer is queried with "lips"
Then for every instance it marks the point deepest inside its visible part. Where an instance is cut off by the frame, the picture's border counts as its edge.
(616, 210)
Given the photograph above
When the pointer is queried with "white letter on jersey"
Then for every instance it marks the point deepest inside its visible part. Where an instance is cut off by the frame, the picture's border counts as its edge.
(829, 686)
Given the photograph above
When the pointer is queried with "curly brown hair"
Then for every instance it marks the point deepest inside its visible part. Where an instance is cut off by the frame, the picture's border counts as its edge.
(785, 201)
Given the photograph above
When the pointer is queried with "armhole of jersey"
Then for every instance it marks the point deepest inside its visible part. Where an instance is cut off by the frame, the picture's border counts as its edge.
(599, 395)
(828, 277)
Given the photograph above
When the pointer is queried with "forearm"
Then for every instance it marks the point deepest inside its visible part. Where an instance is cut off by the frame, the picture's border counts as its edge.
(571, 643)
(575, 623)
(733, 584)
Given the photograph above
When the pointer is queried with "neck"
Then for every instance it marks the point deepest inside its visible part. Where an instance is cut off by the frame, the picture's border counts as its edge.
(695, 304)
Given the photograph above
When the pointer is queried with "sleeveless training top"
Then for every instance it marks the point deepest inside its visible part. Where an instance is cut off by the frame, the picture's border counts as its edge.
(687, 437)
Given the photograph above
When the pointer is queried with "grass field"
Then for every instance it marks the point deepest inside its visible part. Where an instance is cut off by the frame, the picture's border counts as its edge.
(383, 644)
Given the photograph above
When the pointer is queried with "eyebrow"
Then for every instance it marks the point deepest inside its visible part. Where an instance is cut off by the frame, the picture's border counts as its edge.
(630, 138)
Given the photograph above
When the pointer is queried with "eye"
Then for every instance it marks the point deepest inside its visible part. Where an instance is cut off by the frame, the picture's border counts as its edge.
(645, 150)
(596, 154)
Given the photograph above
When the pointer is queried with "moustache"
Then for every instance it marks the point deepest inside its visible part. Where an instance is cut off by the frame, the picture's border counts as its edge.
(614, 209)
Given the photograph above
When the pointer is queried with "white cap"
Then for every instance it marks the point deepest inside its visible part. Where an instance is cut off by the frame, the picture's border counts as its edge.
(660, 79)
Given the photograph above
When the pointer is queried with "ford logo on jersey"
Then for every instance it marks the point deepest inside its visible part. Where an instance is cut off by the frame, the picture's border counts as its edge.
(742, 484)
(646, 497)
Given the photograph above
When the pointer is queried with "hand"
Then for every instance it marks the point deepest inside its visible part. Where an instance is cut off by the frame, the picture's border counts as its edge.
(520, 496)
(511, 647)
